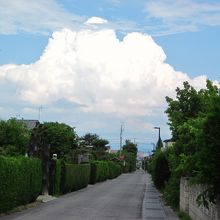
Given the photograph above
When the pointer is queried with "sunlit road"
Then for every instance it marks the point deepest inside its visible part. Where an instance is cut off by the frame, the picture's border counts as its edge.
(120, 198)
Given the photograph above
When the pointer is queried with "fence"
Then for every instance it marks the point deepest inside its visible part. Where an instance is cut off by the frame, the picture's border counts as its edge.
(188, 204)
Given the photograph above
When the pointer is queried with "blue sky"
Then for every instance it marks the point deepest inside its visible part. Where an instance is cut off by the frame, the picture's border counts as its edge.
(97, 64)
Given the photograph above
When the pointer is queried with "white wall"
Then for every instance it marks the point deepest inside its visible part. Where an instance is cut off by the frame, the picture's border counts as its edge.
(188, 195)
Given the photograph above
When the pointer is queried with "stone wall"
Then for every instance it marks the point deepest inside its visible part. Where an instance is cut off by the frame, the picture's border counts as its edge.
(188, 195)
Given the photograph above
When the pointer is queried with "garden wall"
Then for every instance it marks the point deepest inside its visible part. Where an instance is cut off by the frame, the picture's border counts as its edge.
(188, 204)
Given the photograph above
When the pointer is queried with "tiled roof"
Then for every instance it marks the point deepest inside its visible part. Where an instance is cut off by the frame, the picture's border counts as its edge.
(30, 123)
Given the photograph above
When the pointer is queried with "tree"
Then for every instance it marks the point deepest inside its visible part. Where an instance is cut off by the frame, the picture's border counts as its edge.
(159, 144)
(130, 152)
(194, 122)
(97, 144)
(59, 137)
(208, 155)
(187, 105)
(129, 146)
(14, 138)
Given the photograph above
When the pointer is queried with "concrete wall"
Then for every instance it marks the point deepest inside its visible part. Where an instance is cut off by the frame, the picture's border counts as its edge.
(188, 195)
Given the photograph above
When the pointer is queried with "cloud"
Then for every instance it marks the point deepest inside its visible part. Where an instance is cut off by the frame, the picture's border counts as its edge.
(181, 16)
(96, 20)
(35, 16)
(115, 2)
(99, 74)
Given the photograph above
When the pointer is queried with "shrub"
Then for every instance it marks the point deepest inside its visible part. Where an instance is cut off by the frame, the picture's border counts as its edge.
(55, 177)
(103, 170)
(172, 191)
(74, 176)
(114, 169)
(21, 181)
(99, 171)
(160, 169)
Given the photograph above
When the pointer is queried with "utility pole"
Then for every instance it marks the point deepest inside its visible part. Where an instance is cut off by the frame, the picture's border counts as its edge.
(40, 109)
(121, 131)
(134, 140)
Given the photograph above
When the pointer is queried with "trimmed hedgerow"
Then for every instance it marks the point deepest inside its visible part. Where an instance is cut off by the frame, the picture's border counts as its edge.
(103, 170)
(20, 181)
(99, 171)
(114, 169)
(74, 177)
(55, 177)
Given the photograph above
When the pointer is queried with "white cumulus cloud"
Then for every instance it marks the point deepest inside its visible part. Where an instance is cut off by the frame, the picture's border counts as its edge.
(96, 20)
(99, 73)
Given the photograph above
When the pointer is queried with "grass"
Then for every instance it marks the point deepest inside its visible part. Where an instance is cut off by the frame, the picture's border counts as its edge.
(21, 208)
(183, 216)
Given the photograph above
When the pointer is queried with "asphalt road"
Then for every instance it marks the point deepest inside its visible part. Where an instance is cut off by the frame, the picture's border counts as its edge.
(120, 198)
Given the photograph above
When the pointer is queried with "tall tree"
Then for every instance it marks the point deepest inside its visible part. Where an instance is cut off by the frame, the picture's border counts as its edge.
(194, 122)
(59, 137)
(97, 144)
(186, 105)
(130, 152)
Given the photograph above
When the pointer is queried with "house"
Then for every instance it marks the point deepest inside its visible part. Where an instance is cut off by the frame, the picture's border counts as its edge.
(29, 123)
(168, 143)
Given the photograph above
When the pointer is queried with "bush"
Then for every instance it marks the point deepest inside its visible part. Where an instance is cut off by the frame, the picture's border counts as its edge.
(21, 181)
(159, 169)
(126, 168)
(172, 192)
(114, 169)
(103, 170)
(55, 177)
(184, 216)
(99, 171)
(74, 177)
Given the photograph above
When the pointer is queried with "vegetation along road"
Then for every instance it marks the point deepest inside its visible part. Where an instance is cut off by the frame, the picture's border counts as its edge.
(120, 198)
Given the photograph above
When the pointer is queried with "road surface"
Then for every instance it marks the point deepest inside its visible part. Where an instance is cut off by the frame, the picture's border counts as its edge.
(120, 198)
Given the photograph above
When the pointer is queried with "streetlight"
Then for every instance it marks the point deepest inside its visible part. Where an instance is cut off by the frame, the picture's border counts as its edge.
(159, 142)
(159, 131)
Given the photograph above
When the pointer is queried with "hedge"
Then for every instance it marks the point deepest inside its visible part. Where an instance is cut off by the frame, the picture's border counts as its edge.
(99, 171)
(55, 177)
(21, 181)
(159, 169)
(74, 177)
(103, 170)
(115, 169)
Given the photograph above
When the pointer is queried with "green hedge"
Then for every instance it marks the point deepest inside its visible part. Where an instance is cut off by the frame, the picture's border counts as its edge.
(115, 169)
(159, 169)
(20, 181)
(55, 177)
(74, 177)
(99, 171)
(103, 170)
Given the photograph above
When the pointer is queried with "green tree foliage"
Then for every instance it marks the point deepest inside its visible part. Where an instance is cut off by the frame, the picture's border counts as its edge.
(14, 138)
(187, 105)
(130, 152)
(97, 145)
(59, 137)
(207, 157)
(131, 147)
(194, 122)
